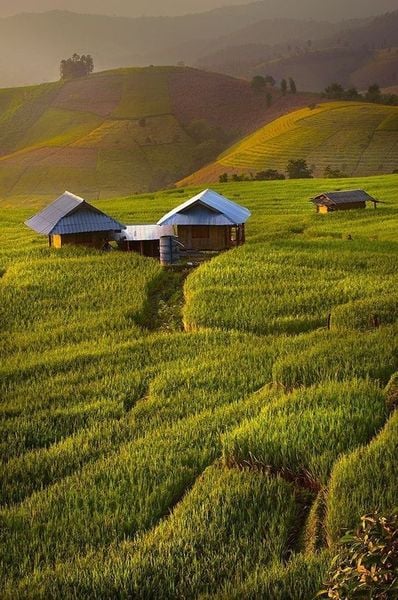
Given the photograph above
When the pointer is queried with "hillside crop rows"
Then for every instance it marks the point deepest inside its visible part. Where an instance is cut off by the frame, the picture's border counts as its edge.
(123, 131)
(223, 461)
(358, 139)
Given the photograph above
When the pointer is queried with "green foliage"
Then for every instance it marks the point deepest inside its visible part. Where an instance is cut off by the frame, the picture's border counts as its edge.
(298, 169)
(367, 565)
(77, 66)
(331, 173)
(269, 175)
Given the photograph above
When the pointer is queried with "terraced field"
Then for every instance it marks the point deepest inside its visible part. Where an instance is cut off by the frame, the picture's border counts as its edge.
(122, 132)
(212, 438)
(357, 138)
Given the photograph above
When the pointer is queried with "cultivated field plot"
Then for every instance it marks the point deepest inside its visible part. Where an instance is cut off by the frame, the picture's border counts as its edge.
(124, 131)
(212, 438)
(356, 138)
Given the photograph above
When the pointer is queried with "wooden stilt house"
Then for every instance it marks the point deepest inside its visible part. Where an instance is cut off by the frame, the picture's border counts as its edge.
(72, 220)
(208, 221)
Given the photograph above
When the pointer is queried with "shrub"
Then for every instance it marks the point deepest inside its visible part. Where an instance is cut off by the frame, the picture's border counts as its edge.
(367, 565)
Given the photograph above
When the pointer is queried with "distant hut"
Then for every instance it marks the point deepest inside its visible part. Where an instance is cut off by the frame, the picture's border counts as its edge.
(208, 221)
(144, 239)
(72, 220)
(344, 200)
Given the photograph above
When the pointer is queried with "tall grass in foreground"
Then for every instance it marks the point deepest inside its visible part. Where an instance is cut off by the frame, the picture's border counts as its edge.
(115, 497)
(230, 523)
(364, 481)
(299, 579)
(305, 432)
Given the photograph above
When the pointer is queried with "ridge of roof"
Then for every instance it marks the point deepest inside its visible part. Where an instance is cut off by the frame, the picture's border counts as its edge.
(235, 213)
(47, 221)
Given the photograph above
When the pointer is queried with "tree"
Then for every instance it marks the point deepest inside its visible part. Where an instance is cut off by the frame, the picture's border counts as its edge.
(352, 94)
(335, 91)
(269, 99)
(77, 66)
(284, 87)
(269, 175)
(299, 169)
(269, 80)
(292, 86)
(223, 178)
(258, 83)
(374, 94)
(331, 173)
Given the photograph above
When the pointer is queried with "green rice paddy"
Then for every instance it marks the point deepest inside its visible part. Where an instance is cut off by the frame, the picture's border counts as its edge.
(221, 456)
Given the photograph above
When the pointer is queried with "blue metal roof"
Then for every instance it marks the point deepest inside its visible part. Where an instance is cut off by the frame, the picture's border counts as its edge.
(71, 214)
(84, 220)
(207, 208)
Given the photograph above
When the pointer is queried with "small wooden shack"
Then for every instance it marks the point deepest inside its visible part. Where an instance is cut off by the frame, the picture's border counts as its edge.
(208, 221)
(144, 239)
(342, 200)
(72, 220)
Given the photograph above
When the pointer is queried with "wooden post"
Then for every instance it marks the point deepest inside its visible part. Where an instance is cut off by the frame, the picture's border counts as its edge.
(329, 321)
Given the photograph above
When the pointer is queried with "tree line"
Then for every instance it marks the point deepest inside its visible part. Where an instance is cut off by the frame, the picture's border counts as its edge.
(336, 91)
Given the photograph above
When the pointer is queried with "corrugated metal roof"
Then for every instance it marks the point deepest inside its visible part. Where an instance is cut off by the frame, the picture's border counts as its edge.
(85, 220)
(343, 197)
(71, 214)
(207, 208)
(141, 233)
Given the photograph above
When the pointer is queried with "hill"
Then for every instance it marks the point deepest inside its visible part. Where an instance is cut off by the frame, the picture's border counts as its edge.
(32, 45)
(123, 131)
(356, 53)
(356, 138)
(170, 438)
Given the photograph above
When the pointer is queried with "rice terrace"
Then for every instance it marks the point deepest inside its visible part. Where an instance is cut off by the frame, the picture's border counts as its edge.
(199, 340)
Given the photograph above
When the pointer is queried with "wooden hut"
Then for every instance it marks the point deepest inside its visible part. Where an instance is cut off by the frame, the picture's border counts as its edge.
(208, 221)
(72, 220)
(343, 200)
(144, 239)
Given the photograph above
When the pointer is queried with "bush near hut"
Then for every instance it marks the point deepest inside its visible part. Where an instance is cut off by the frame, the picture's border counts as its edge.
(367, 564)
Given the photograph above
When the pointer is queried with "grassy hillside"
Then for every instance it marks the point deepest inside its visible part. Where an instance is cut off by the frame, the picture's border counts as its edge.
(123, 131)
(123, 433)
(357, 138)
